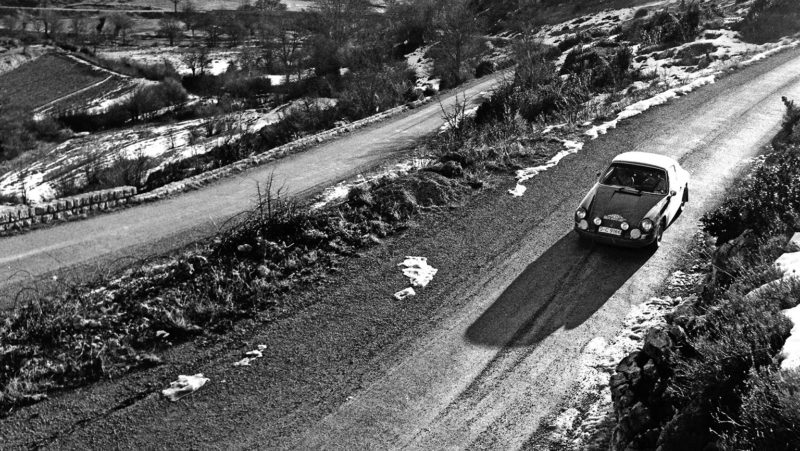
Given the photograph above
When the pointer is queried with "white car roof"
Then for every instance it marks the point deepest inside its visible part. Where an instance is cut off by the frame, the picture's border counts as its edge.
(650, 159)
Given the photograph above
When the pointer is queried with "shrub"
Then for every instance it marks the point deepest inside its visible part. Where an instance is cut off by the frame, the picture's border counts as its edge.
(770, 417)
(145, 100)
(769, 20)
(158, 71)
(121, 172)
(665, 27)
(370, 91)
(19, 133)
(572, 40)
(768, 200)
(603, 66)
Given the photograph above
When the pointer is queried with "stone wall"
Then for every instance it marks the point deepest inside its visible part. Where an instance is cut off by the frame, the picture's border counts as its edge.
(13, 219)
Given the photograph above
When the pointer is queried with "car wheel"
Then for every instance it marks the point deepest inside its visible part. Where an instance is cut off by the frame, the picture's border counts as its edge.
(659, 235)
(685, 197)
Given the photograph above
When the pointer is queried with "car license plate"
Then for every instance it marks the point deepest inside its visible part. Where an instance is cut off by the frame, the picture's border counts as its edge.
(610, 231)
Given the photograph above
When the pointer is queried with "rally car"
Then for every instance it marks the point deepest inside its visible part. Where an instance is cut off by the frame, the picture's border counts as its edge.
(634, 200)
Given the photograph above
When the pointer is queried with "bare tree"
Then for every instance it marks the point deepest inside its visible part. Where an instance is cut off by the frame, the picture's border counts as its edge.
(339, 19)
(286, 37)
(196, 59)
(170, 28)
(175, 4)
(122, 24)
(269, 5)
(77, 27)
(11, 21)
(49, 21)
(190, 17)
(458, 28)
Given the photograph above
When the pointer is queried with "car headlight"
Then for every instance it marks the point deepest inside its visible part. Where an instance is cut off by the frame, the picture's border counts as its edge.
(583, 225)
(580, 213)
(624, 226)
(647, 225)
(597, 221)
(636, 234)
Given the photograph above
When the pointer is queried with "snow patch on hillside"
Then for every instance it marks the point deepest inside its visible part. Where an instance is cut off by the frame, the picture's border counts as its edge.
(163, 144)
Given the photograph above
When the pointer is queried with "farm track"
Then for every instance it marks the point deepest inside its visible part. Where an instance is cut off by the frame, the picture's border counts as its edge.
(478, 358)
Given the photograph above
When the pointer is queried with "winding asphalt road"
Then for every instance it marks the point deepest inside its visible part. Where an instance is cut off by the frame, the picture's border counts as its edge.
(172, 223)
(479, 357)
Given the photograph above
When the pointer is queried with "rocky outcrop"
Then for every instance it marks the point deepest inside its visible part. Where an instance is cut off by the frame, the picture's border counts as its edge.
(640, 390)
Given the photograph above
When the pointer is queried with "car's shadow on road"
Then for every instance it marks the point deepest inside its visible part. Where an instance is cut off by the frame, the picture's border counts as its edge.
(561, 289)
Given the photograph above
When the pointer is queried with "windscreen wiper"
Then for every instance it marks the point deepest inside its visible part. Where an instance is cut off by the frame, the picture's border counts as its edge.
(629, 190)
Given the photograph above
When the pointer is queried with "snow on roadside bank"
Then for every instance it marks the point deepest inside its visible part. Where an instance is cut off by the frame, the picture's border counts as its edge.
(587, 424)
(673, 76)
(523, 175)
(339, 192)
(644, 105)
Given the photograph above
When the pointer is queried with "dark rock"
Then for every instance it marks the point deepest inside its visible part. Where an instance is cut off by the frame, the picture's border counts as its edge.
(657, 344)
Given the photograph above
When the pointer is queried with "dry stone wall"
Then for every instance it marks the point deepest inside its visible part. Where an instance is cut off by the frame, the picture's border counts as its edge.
(81, 206)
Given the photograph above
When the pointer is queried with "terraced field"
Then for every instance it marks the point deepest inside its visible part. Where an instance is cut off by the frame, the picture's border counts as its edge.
(46, 79)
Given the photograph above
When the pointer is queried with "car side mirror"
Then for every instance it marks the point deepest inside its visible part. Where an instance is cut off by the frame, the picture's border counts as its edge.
(598, 174)
(673, 193)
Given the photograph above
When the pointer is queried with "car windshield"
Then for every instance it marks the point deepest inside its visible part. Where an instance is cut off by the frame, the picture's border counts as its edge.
(640, 178)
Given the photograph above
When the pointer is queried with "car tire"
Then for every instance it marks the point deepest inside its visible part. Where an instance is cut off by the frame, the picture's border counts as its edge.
(685, 199)
(659, 235)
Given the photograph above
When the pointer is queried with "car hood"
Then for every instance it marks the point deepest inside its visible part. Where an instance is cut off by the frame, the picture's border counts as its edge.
(612, 204)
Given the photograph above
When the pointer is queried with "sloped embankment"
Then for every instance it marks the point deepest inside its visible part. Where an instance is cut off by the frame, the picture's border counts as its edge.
(720, 373)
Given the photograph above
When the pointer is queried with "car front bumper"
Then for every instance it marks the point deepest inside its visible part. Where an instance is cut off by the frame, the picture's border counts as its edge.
(616, 240)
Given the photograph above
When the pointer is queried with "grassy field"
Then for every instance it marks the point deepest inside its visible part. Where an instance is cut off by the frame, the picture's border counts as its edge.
(46, 79)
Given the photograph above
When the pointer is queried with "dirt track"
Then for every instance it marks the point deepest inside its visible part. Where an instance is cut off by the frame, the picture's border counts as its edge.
(475, 361)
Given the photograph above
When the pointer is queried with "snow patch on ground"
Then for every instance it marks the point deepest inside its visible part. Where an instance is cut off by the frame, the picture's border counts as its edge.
(185, 385)
(518, 190)
(423, 68)
(405, 293)
(250, 356)
(220, 61)
(644, 105)
(418, 271)
(163, 144)
(523, 175)
(599, 361)
(339, 192)
(791, 349)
